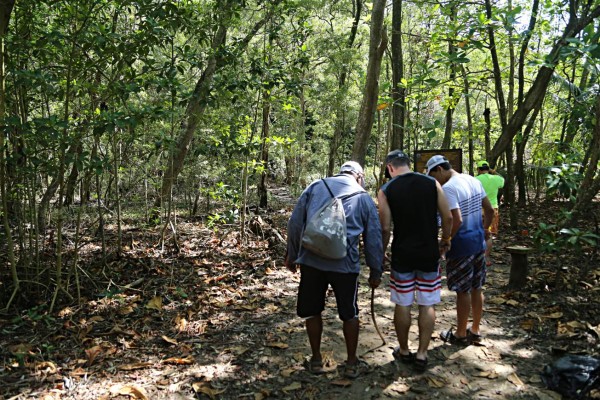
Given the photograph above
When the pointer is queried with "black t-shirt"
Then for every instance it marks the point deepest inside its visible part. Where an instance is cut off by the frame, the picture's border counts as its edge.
(412, 198)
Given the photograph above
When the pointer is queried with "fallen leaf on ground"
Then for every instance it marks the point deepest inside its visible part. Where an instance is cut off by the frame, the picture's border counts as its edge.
(92, 353)
(548, 395)
(292, 386)
(576, 325)
(155, 303)
(554, 315)
(400, 388)
(278, 345)
(205, 388)
(487, 374)
(342, 382)
(528, 324)
(134, 366)
(46, 366)
(169, 340)
(238, 350)
(179, 361)
(514, 379)
(129, 390)
(436, 382)
(565, 330)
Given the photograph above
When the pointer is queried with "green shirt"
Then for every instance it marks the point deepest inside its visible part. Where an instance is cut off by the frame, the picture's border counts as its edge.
(491, 184)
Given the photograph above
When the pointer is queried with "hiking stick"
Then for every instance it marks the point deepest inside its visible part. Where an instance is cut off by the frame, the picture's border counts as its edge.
(373, 315)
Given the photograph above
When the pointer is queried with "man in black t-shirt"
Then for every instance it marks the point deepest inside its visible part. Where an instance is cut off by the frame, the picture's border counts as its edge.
(411, 202)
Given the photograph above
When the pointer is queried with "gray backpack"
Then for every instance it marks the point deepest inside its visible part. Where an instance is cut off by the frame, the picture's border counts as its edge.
(325, 233)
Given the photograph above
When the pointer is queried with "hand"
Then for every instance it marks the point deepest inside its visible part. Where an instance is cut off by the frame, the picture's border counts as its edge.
(290, 265)
(487, 234)
(374, 283)
(444, 247)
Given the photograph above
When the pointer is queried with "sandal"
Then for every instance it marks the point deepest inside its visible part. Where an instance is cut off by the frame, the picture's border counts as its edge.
(420, 365)
(474, 337)
(448, 337)
(315, 367)
(353, 371)
(403, 358)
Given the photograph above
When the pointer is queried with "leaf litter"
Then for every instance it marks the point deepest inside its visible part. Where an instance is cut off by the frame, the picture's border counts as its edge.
(217, 320)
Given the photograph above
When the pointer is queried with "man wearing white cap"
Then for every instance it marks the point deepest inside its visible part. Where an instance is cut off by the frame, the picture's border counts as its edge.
(465, 267)
(317, 273)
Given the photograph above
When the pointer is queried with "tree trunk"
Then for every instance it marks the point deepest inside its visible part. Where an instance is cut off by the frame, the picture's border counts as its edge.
(590, 186)
(447, 141)
(537, 91)
(198, 101)
(377, 45)
(398, 89)
(6, 7)
(264, 154)
(486, 132)
(509, 187)
(469, 118)
(340, 117)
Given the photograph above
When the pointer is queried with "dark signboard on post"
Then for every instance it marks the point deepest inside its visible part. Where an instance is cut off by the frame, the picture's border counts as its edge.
(422, 156)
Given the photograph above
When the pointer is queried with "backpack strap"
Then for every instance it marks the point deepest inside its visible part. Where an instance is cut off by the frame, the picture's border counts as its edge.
(347, 196)
(344, 197)
(327, 186)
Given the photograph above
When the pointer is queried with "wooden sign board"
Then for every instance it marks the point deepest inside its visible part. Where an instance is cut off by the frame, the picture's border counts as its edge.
(422, 156)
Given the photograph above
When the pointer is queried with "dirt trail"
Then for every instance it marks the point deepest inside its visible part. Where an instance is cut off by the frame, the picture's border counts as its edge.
(217, 320)
(505, 366)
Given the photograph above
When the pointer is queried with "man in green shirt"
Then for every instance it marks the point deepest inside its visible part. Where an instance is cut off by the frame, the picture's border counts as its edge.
(491, 183)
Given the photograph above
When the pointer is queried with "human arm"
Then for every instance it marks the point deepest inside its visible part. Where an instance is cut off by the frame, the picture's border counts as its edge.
(372, 238)
(447, 219)
(294, 231)
(488, 216)
(385, 219)
(456, 221)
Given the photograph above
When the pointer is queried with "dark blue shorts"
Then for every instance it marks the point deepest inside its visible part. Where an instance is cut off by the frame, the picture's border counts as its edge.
(313, 289)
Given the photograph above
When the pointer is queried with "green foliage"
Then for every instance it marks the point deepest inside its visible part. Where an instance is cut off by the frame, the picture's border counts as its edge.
(226, 217)
(35, 314)
(550, 239)
(564, 180)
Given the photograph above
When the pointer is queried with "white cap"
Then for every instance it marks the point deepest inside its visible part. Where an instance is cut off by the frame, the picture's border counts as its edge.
(351, 166)
(435, 161)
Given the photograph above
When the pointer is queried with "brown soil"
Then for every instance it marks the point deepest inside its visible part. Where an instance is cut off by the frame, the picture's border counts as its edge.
(217, 320)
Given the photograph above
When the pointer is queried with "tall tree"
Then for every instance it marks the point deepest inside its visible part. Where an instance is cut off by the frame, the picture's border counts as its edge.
(377, 45)
(398, 89)
(340, 115)
(581, 14)
(6, 8)
(198, 102)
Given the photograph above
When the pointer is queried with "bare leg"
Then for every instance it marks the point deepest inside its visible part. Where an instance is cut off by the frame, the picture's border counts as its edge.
(463, 309)
(477, 309)
(351, 337)
(314, 329)
(426, 324)
(402, 325)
